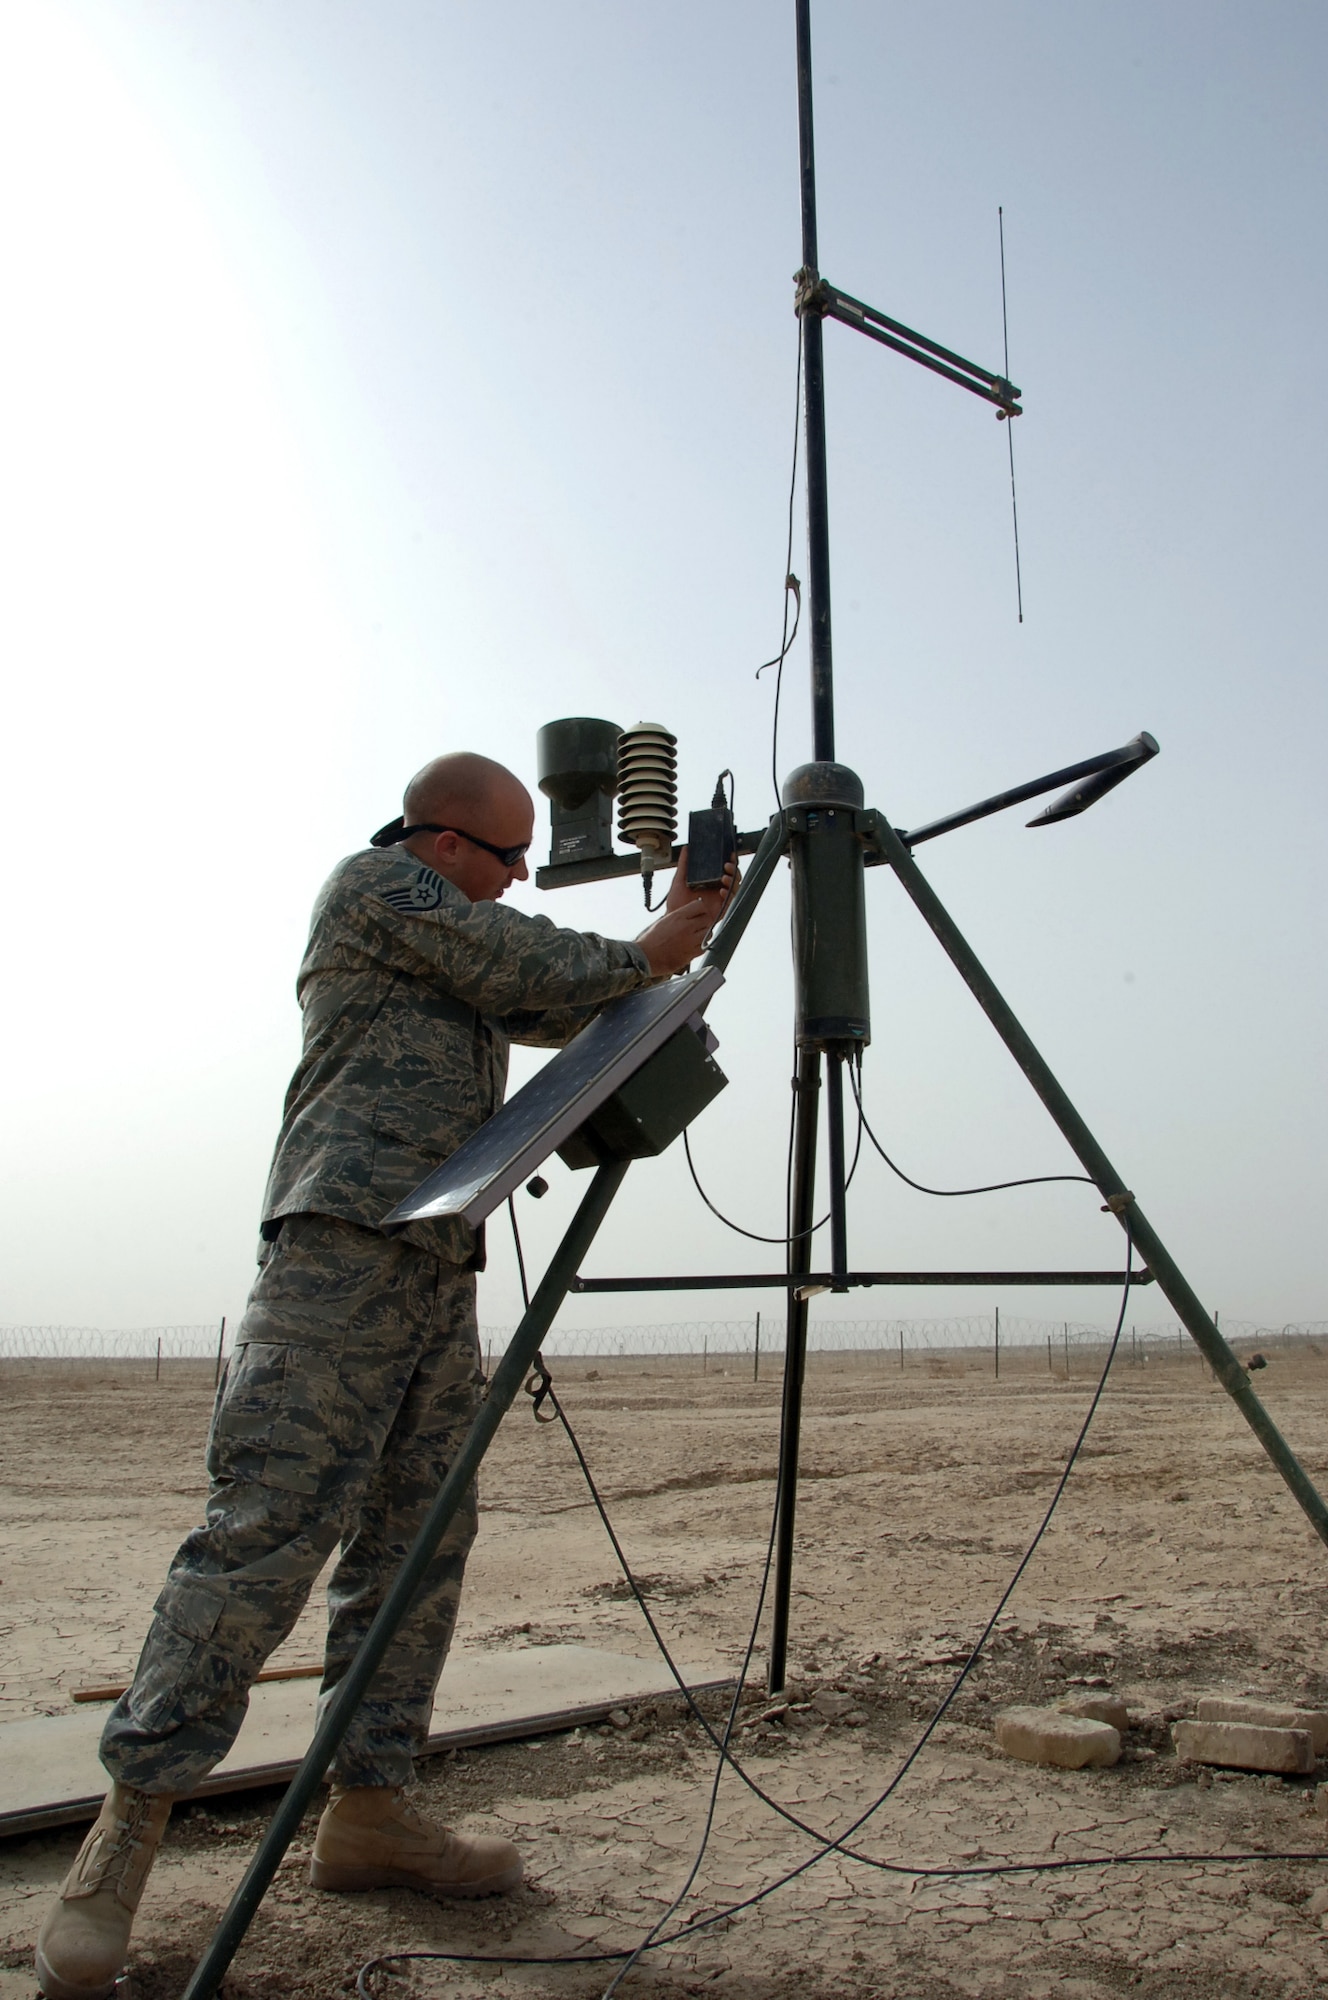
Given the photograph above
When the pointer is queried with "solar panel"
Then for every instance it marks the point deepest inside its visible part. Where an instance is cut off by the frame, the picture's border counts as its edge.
(508, 1147)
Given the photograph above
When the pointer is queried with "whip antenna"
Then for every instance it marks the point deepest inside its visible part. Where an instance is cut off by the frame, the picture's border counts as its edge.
(1003, 417)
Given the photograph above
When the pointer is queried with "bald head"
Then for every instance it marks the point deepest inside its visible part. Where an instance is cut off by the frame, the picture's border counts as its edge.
(461, 784)
(483, 808)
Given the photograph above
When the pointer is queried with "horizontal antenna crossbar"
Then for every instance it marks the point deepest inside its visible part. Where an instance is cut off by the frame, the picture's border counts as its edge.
(828, 300)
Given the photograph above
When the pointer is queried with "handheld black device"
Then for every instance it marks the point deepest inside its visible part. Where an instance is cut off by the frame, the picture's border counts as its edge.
(712, 839)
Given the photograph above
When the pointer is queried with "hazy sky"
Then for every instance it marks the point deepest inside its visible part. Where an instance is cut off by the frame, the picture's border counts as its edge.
(386, 379)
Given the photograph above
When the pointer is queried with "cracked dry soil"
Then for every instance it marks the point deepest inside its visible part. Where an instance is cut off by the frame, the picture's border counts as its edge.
(1176, 1565)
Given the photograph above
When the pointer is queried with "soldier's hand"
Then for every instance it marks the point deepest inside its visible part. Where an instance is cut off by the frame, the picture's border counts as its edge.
(673, 940)
(716, 900)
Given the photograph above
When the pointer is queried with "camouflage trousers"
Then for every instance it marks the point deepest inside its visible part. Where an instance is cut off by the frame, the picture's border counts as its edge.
(355, 1377)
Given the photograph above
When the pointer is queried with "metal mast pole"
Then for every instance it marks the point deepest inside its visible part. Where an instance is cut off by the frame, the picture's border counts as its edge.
(807, 1086)
(813, 363)
(807, 1083)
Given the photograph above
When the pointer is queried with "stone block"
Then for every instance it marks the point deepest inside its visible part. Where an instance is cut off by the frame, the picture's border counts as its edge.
(1266, 1715)
(1050, 1736)
(1097, 1708)
(1241, 1746)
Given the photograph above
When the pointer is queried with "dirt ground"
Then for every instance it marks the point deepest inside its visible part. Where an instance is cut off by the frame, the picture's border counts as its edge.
(1176, 1564)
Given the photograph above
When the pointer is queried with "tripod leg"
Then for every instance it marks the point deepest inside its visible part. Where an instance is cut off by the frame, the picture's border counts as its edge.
(507, 1379)
(802, 1214)
(1153, 1251)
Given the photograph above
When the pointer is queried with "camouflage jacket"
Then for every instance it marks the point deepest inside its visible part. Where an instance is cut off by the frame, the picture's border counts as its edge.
(410, 996)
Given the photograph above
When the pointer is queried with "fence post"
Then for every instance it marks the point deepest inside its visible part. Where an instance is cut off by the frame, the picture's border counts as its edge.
(221, 1342)
(998, 1343)
(705, 1352)
(157, 1376)
(1050, 1370)
(756, 1361)
(901, 1346)
(1065, 1325)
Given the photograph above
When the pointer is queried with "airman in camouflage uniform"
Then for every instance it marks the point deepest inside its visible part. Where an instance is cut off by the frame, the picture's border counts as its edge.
(356, 1365)
(356, 1370)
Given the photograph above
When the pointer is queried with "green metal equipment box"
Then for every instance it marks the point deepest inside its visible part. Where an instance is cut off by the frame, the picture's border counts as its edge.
(647, 1113)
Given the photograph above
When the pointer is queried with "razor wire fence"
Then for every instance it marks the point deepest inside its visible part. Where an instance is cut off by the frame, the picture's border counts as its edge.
(96, 1343)
(981, 1338)
(988, 1340)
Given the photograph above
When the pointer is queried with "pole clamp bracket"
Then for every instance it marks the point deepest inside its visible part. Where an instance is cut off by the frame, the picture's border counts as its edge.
(812, 294)
(1116, 1204)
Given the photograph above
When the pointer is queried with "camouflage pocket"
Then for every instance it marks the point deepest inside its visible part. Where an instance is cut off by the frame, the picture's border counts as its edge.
(165, 1670)
(251, 1394)
(189, 1608)
(186, 1616)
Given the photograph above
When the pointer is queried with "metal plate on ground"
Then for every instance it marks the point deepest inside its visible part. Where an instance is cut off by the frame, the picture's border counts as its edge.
(509, 1147)
(50, 1774)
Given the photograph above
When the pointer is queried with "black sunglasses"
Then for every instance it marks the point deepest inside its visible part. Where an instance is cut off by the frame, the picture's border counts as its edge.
(396, 831)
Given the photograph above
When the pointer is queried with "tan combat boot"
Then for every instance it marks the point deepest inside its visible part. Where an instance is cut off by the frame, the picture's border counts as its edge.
(370, 1838)
(85, 1937)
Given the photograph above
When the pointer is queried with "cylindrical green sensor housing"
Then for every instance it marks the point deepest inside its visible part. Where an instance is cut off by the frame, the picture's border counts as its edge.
(829, 908)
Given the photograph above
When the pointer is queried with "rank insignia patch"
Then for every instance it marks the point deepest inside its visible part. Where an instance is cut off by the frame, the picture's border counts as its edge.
(424, 893)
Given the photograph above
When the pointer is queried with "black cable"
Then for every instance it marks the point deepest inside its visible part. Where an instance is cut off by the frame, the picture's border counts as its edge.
(791, 584)
(1058, 1867)
(520, 1259)
(652, 1936)
(620, 1553)
(995, 1187)
(728, 889)
(825, 1845)
(752, 1234)
(802, 1826)
(1028, 1554)
(721, 1744)
(928, 1874)
(813, 1833)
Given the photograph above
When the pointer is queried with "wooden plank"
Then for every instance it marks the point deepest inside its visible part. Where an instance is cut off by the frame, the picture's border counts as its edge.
(112, 1690)
(50, 1774)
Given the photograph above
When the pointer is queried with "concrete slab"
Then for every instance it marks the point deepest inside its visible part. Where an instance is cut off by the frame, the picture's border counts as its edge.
(50, 1774)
